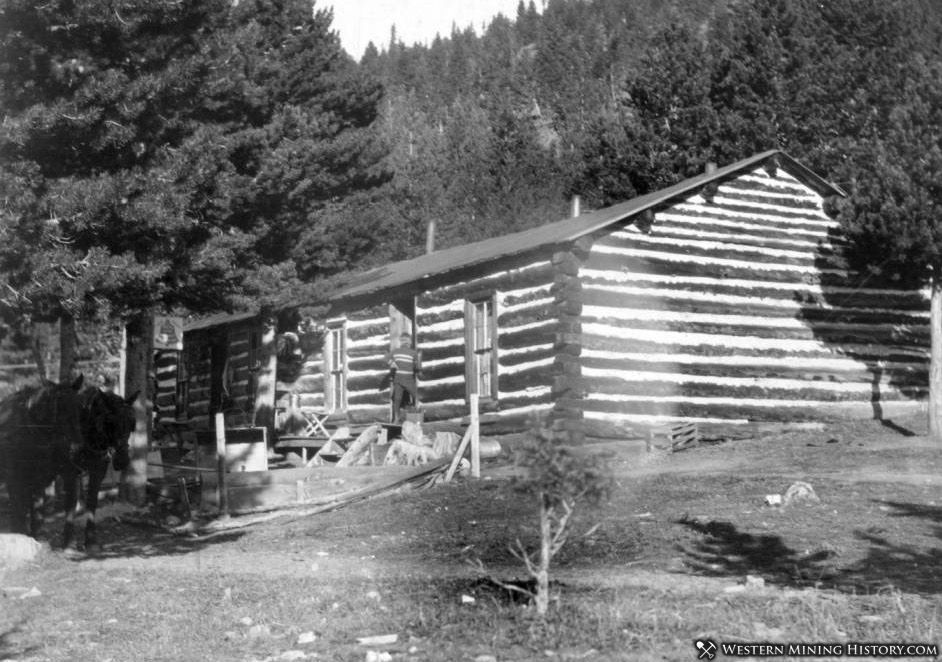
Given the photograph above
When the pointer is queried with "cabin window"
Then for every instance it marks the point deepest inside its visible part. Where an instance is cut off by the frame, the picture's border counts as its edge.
(481, 347)
(336, 354)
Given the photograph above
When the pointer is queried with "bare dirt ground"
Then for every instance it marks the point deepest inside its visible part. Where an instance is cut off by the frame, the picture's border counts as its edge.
(692, 523)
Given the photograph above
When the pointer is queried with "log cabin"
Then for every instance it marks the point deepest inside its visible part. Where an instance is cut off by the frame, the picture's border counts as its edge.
(722, 300)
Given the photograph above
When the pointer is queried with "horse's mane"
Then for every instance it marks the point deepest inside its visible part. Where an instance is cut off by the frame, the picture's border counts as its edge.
(18, 406)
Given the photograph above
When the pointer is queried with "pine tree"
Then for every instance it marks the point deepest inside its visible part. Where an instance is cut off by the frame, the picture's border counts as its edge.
(171, 156)
(893, 215)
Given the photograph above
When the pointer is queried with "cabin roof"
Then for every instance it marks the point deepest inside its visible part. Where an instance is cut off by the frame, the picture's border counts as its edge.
(217, 319)
(438, 263)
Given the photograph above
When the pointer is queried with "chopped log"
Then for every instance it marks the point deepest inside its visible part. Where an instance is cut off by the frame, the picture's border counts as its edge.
(329, 450)
(404, 453)
(360, 446)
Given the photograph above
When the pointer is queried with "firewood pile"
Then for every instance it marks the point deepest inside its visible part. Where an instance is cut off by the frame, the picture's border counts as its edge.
(413, 448)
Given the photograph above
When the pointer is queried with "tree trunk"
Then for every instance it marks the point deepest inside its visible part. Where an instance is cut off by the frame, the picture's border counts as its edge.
(546, 552)
(138, 368)
(68, 345)
(41, 347)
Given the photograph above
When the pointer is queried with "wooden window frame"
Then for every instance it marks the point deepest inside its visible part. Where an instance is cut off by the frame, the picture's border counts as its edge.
(334, 399)
(474, 350)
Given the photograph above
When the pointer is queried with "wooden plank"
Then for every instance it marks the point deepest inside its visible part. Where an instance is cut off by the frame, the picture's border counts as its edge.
(316, 488)
(222, 491)
(475, 438)
(456, 460)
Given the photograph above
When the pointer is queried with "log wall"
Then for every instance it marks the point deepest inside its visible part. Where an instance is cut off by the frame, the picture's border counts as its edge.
(242, 340)
(367, 332)
(738, 308)
(165, 370)
(527, 327)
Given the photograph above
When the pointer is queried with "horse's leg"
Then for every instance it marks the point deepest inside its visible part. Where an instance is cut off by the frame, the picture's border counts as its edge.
(19, 506)
(33, 495)
(70, 479)
(37, 502)
(96, 474)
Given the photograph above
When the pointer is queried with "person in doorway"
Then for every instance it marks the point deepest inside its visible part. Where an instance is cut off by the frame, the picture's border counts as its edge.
(404, 365)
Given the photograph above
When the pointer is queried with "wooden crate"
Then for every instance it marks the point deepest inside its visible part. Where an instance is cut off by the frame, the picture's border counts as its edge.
(673, 437)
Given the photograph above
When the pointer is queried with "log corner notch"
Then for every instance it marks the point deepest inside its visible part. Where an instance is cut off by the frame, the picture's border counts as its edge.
(567, 388)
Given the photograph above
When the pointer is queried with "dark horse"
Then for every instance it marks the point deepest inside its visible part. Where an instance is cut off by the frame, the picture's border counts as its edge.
(53, 430)
(40, 431)
(107, 421)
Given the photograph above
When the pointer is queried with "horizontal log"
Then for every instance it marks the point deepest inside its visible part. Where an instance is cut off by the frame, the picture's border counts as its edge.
(662, 339)
(369, 352)
(710, 302)
(854, 373)
(815, 391)
(750, 190)
(539, 353)
(720, 223)
(375, 397)
(774, 218)
(837, 293)
(365, 382)
(820, 412)
(426, 320)
(835, 334)
(675, 266)
(625, 243)
(526, 299)
(510, 319)
(868, 355)
(541, 274)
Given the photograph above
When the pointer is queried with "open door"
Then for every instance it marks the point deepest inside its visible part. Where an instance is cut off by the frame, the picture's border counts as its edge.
(219, 396)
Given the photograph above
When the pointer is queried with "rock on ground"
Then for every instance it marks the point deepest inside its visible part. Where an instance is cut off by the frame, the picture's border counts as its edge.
(17, 549)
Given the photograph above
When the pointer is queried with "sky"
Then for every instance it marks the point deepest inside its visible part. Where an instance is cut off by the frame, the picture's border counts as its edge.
(361, 21)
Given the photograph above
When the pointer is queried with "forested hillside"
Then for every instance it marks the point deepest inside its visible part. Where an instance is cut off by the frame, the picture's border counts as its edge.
(494, 131)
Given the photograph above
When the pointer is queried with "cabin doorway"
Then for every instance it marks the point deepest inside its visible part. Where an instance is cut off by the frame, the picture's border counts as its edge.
(219, 396)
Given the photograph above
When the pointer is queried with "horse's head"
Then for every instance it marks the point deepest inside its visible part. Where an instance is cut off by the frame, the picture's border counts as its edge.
(59, 407)
(109, 421)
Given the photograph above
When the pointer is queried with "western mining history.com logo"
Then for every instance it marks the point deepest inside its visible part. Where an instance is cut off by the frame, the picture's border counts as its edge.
(707, 649)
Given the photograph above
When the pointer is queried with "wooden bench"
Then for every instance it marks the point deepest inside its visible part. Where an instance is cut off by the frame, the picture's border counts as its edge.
(676, 437)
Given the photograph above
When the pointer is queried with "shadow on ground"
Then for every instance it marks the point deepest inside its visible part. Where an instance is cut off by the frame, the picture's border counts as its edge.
(125, 538)
(722, 550)
(904, 564)
(142, 539)
(9, 650)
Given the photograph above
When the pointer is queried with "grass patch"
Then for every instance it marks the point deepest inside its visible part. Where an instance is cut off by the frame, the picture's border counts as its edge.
(643, 577)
